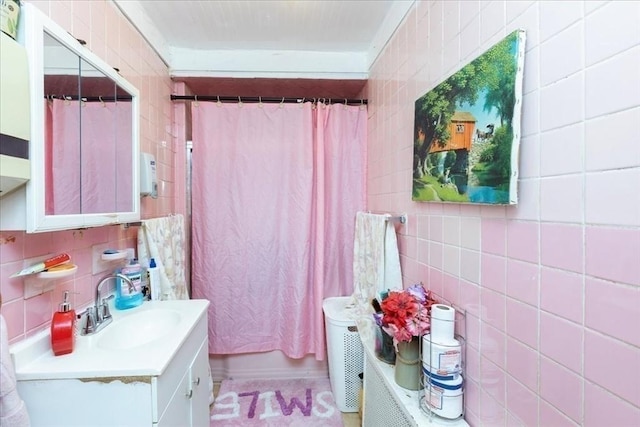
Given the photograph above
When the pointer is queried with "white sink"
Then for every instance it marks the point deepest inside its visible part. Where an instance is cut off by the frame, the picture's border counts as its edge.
(138, 329)
(138, 341)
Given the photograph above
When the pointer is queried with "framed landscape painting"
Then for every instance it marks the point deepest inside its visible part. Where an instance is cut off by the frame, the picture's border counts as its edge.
(467, 130)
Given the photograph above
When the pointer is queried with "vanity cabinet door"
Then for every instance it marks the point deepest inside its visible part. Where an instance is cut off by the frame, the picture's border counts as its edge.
(181, 393)
(178, 411)
(189, 406)
(199, 373)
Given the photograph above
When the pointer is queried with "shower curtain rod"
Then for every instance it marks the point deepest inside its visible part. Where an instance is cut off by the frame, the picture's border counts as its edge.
(285, 100)
(90, 98)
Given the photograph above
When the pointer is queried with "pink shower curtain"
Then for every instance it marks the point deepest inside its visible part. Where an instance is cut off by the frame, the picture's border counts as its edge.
(101, 181)
(275, 189)
(63, 190)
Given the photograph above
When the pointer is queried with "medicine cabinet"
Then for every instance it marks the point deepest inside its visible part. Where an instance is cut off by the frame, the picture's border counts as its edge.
(84, 147)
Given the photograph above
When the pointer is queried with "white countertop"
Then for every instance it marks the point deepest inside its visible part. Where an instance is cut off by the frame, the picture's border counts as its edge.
(34, 360)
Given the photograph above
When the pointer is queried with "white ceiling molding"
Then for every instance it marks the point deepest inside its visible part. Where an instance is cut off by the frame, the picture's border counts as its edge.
(268, 63)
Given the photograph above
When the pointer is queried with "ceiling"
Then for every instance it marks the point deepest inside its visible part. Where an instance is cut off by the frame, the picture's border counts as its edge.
(268, 43)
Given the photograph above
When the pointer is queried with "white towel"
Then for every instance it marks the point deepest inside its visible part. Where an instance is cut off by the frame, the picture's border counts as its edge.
(13, 412)
(163, 239)
(392, 272)
(376, 261)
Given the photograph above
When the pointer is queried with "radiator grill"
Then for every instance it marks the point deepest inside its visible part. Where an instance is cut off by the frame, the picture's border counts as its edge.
(381, 408)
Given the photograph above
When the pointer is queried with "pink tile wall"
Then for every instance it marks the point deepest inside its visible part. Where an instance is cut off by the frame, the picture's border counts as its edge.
(110, 35)
(551, 286)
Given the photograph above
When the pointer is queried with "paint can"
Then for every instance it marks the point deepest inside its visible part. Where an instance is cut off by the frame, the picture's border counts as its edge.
(9, 15)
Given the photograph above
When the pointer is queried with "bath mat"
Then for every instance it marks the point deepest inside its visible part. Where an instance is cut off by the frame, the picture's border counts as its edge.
(291, 403)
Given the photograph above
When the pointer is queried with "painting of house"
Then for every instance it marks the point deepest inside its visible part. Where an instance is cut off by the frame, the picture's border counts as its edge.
(461, 131)
(467, 130)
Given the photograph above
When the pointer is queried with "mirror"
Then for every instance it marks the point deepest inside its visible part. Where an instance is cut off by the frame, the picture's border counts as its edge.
(88, 117)
(85, 142)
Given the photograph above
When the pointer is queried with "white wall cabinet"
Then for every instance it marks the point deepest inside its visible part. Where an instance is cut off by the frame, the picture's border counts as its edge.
(82, 113)
(178, 397)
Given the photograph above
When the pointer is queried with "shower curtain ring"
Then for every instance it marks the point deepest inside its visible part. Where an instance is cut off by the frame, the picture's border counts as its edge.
(195, 97)
(101, 101)
(282, 103)
(260, 101)
(219, 103)
(239, 102)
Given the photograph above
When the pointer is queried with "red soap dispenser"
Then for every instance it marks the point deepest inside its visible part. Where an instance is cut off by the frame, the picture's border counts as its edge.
(63, 328)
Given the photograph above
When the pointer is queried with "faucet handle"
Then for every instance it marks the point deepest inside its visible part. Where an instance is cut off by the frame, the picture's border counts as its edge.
(104, 307)
(90, 321)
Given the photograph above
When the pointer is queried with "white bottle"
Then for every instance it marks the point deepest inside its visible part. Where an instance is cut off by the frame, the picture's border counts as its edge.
(154, 280)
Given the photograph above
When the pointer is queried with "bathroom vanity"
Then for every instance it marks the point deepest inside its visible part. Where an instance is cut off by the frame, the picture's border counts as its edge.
(149, 367)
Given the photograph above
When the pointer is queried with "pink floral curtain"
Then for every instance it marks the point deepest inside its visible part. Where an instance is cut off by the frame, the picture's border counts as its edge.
(275, 189)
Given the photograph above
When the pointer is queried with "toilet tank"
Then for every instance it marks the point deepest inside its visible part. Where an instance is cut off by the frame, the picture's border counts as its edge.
(15, 122)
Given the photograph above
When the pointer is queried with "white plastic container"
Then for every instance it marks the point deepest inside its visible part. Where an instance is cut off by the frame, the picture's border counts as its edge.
(345, 353)
(154, 280)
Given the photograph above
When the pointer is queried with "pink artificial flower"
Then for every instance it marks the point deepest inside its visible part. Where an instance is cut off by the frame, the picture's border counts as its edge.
(406, 313)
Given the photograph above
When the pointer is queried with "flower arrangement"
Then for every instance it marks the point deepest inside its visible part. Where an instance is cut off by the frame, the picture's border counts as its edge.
(406, 314)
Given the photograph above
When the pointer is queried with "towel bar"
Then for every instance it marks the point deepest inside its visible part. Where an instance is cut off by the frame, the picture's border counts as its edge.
(401, 218)
(132, 224)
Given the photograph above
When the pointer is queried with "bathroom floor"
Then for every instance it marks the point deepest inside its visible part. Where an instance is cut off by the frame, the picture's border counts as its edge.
(348, 419)
(351, 419)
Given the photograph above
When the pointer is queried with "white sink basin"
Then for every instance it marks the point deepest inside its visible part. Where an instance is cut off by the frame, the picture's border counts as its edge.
(138, 341)
(138, 329)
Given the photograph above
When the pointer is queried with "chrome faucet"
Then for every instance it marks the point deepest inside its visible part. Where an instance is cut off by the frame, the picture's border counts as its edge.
(98, 316)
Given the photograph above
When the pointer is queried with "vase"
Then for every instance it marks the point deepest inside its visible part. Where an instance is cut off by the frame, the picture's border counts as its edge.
(407, 371)
(384, 347)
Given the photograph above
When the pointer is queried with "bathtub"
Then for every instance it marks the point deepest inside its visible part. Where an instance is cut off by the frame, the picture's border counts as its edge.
(272, 364)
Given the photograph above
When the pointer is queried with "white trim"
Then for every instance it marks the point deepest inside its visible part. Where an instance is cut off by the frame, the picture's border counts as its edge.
(268, 63)
(33, 25)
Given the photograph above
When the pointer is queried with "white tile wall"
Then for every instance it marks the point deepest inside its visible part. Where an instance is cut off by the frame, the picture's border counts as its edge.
(530, 275)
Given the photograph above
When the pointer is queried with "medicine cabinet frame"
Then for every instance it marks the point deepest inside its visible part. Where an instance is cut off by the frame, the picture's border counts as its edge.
(33, 26)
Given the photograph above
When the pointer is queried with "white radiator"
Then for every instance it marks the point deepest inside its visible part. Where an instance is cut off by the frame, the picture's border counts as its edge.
(381, 408)
(386, 404)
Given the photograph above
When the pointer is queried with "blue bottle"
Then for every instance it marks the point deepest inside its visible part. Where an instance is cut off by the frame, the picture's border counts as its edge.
(126, 296)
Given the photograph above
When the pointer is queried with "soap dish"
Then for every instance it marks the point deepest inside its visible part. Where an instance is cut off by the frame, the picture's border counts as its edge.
(113, 256)
(59, 271)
